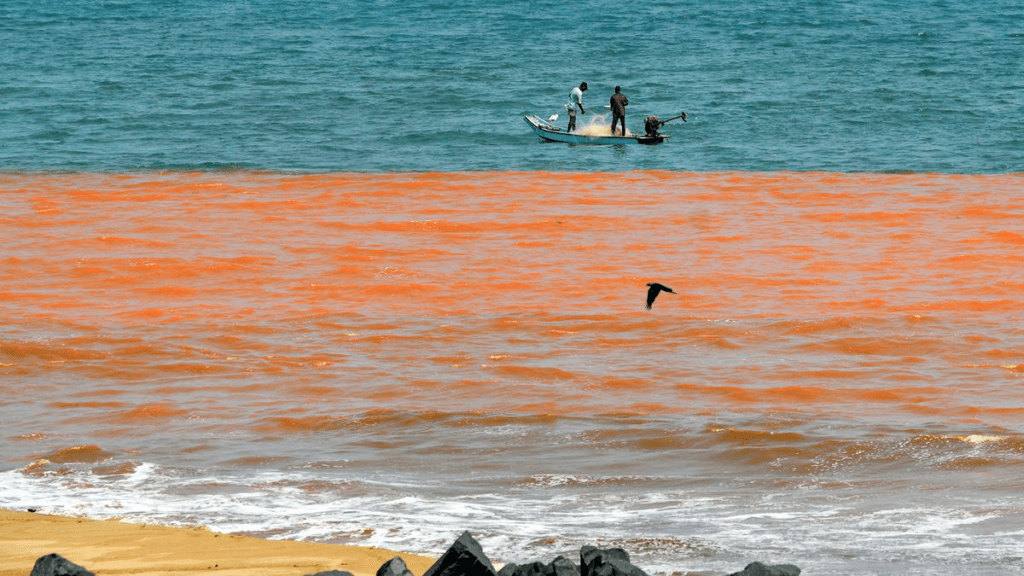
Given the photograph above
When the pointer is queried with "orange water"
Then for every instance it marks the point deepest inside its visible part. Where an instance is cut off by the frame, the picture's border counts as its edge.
(827, 329)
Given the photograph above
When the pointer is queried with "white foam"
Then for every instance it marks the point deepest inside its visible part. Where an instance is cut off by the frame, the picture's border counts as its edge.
(666, 529)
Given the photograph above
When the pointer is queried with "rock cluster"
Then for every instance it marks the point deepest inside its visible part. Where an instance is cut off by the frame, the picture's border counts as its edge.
(465, 557)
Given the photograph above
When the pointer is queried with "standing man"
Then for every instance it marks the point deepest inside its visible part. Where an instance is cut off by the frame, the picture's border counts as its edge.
(618, 106)
(575, 99)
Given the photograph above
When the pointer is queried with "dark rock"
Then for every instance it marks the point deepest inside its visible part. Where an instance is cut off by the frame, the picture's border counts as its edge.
(465, 557)
(394, 567)
(533, 569)
(607, 562)
(57, 565)
(332, 573)
(562, 566)
(758, 569)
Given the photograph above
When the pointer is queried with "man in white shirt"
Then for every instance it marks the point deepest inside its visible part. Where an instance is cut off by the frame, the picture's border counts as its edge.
(575, 99)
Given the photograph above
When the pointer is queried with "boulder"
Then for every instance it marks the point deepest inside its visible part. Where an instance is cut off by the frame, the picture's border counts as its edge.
(562, 566)
(57, 565)
(758, 569)
(533, 569)
(394, 567)
(464, 557)
(607, 562)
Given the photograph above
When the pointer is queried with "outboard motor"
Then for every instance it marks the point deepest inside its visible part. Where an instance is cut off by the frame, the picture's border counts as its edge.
(651, 125)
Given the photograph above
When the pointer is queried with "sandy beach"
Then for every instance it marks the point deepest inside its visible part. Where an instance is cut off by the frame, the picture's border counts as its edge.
(111, 547)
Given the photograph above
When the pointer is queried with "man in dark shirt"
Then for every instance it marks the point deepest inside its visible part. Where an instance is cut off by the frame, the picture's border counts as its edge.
(618, 105)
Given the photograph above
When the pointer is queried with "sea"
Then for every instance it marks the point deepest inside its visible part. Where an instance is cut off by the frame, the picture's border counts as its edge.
(300, 270)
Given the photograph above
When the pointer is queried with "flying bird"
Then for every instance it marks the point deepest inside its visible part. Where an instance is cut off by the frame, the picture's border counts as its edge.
(652, 292)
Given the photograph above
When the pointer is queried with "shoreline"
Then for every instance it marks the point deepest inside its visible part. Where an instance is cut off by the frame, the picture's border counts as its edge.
(112, 547)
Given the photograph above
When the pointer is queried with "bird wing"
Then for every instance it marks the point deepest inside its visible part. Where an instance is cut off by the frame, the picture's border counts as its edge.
(662, 287)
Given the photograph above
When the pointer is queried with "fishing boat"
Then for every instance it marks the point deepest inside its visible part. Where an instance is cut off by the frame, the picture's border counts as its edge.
(552, 133)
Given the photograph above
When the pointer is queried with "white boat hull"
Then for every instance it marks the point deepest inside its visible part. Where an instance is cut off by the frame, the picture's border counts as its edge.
(554, 134)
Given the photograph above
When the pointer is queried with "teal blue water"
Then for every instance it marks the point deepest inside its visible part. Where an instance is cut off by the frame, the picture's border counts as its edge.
(425, 85)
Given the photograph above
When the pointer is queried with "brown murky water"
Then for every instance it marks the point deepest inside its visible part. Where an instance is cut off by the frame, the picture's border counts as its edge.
(393, 358)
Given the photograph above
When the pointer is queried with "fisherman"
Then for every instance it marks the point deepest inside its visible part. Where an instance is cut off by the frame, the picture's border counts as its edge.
(618, 106)
(575, 99)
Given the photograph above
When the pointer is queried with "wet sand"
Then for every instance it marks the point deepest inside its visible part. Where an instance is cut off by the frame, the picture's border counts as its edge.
(110, 547)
